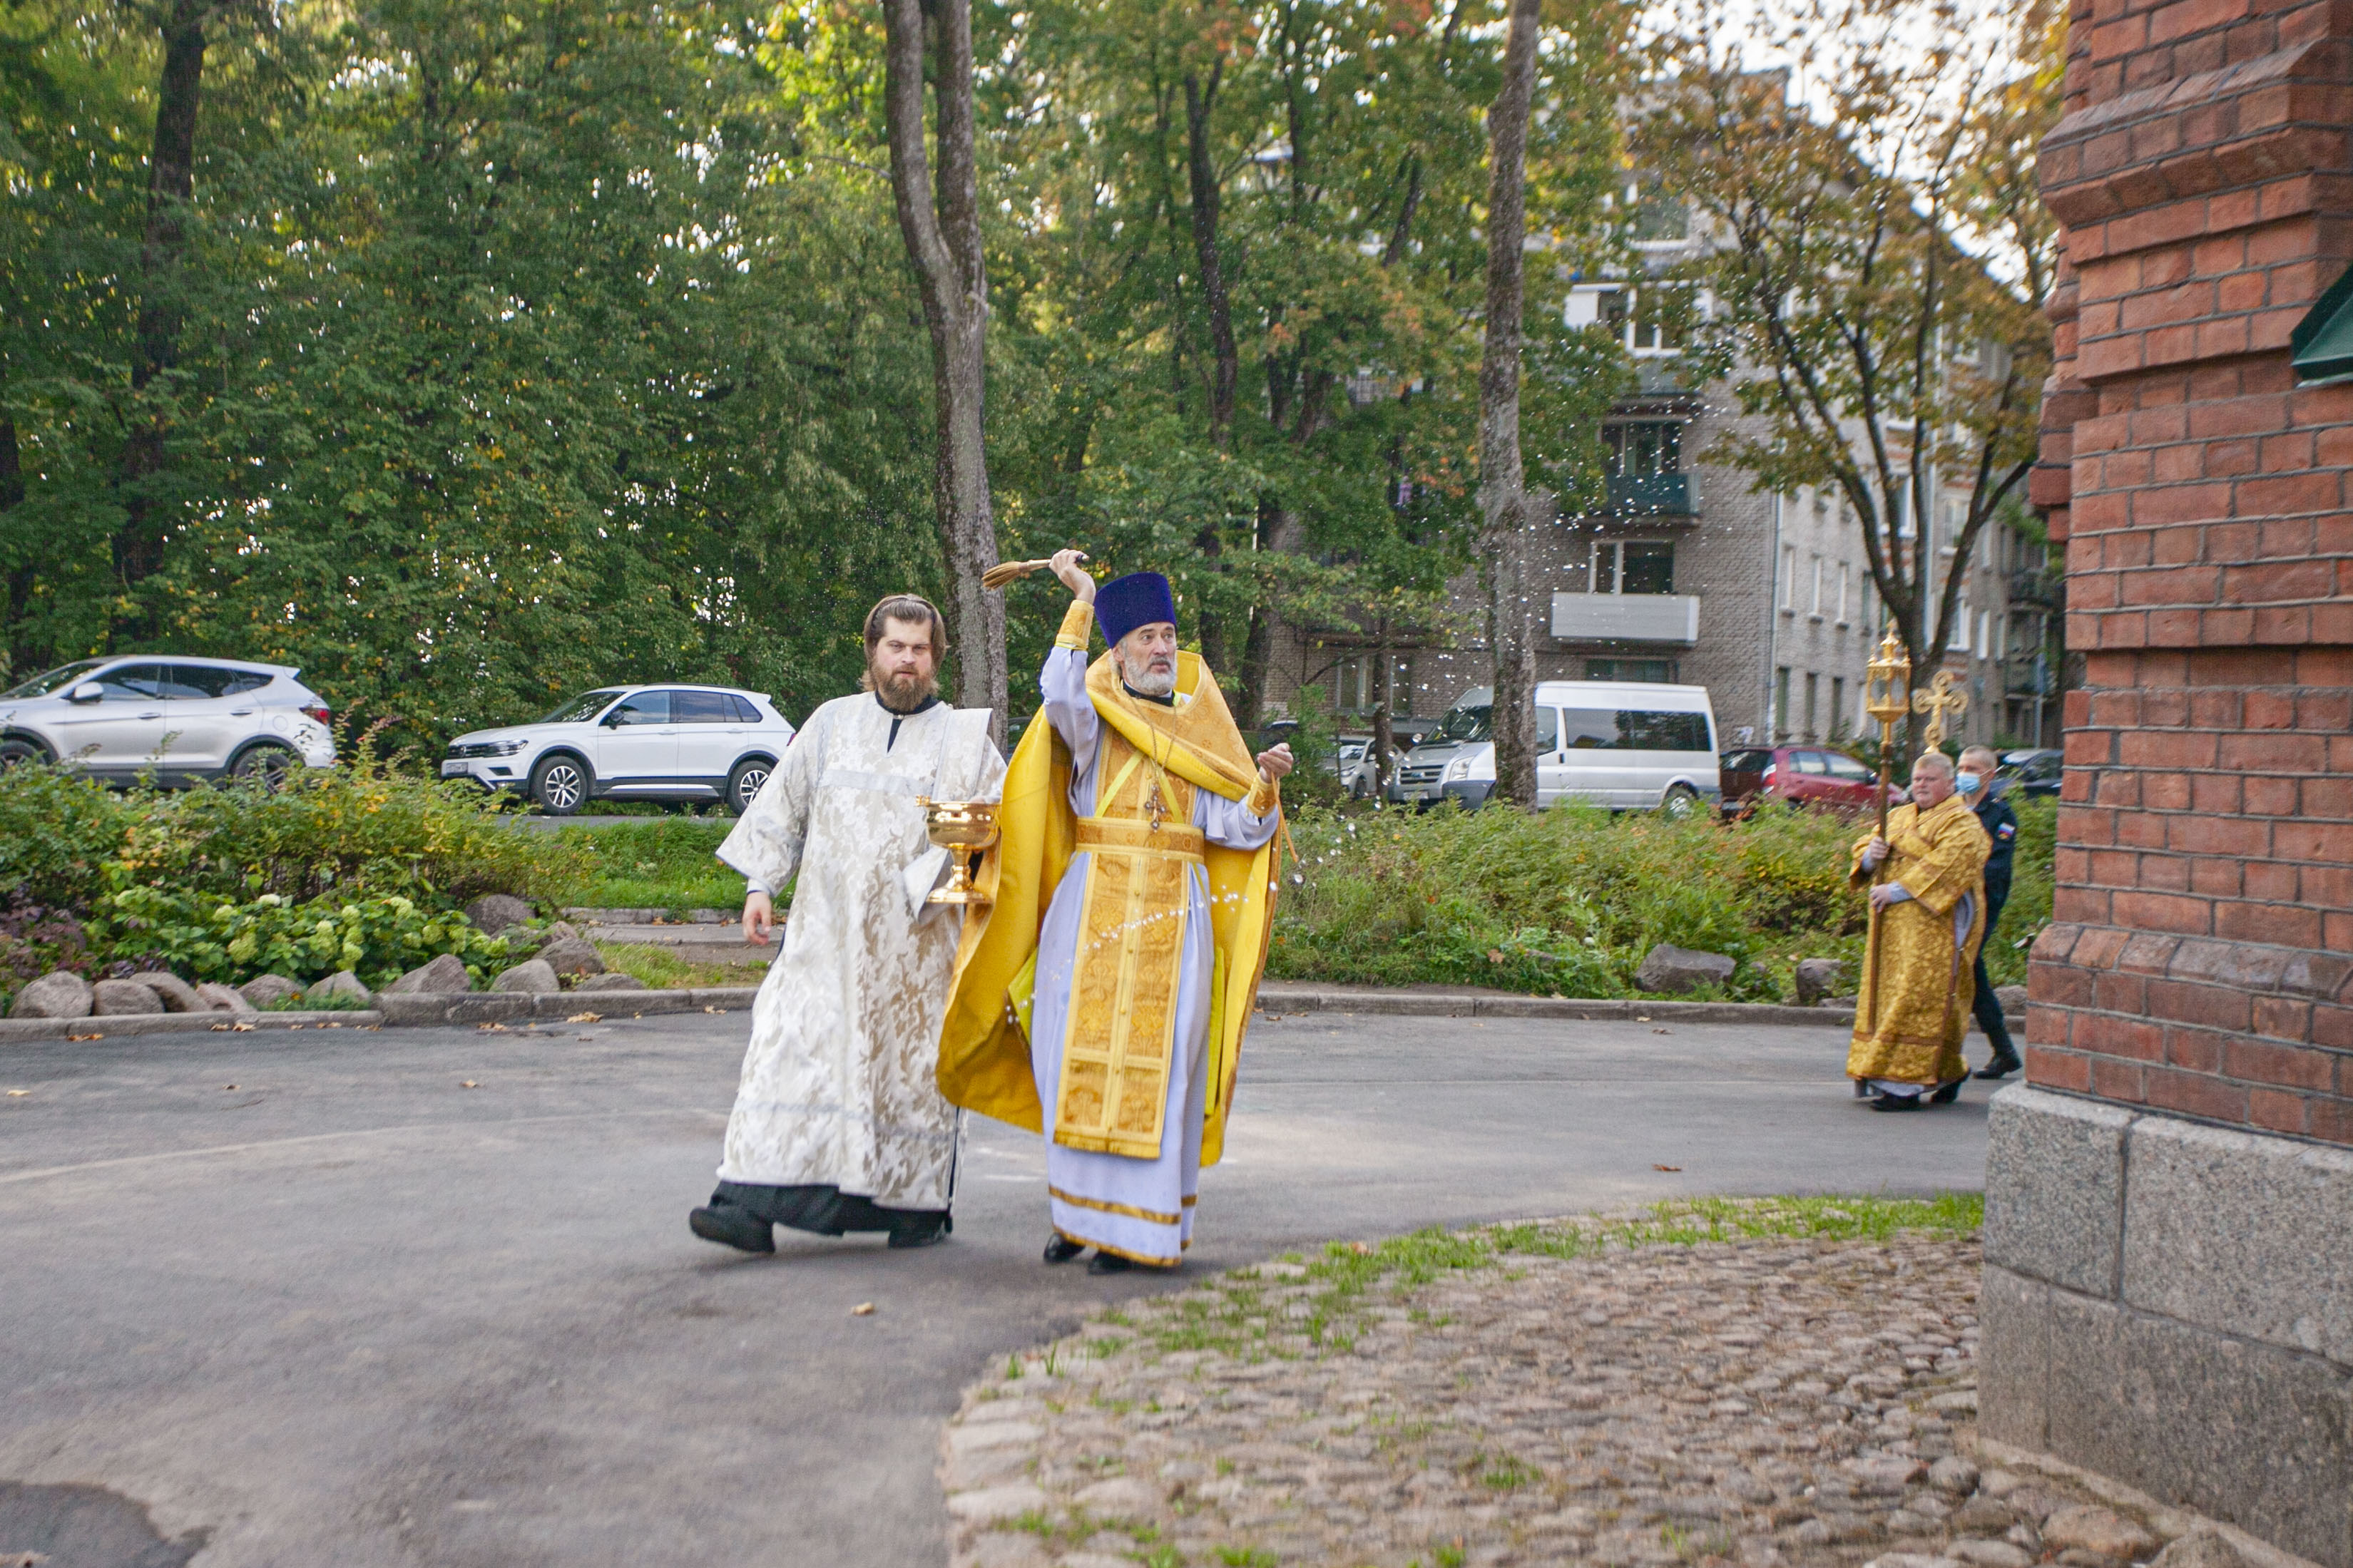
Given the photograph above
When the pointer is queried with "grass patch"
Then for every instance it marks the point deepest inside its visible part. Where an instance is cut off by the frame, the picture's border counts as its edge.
(1249, 1314)
(1569, 900)
(663, 970)
(659, 863)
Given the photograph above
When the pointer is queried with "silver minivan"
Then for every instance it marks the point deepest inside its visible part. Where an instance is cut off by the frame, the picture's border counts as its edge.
(1628, 745)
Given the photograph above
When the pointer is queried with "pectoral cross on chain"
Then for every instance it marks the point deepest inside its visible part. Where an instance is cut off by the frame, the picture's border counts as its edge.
(1942, 699)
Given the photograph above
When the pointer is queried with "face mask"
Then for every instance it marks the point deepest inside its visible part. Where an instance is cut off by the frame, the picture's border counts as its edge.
(1966, 783)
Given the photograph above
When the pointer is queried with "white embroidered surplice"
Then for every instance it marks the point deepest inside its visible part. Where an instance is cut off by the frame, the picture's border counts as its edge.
(838, 1087)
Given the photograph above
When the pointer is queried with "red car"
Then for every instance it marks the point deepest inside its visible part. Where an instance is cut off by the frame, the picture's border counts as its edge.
(1802, 776)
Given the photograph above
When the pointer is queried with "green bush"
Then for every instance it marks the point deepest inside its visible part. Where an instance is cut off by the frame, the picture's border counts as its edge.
(662, 863)
(380, 936)
(57, 830)
(1569, 900)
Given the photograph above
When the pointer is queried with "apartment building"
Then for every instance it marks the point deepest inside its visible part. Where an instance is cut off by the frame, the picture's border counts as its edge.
(1690, 575)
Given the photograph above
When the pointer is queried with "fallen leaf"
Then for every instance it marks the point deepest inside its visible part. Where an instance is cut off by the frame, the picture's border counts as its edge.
(240, 1028)
(468, 1083)
(863, 1309)
(226, 1087)
(1359, 1248)
(85, 1036)
(1657, 1031)
(1666, 1167)
(1641, 1017)
(586, 1018)
(491, 1028)
(219, 1028)
(18, 1093)
(721, 1011)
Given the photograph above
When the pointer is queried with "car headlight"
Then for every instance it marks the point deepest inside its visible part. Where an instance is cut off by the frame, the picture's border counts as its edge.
(1459, 769)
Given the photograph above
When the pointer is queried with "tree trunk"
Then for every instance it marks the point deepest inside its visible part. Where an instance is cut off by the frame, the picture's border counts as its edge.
(1384, 728)
(941, 231)
(1202, 175)
(170, 185)
(1507, 512)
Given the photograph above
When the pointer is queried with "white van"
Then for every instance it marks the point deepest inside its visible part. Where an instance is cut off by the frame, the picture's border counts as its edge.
(1629, 745)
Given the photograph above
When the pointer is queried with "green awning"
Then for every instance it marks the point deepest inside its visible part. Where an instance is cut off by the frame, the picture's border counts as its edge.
(2322, 343)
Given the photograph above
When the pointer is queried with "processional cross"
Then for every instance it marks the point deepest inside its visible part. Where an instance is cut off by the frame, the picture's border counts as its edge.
(1941, 701)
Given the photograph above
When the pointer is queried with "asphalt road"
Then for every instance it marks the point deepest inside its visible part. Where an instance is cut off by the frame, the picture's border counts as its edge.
(308, 1299)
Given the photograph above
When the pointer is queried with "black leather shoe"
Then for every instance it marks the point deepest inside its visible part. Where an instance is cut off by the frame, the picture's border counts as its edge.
(1895, 1101)
(928, 1232)
(2001, 1066)
(1108, 1263)
(733, 1226)
(1945, 1093)
(1062, 1249)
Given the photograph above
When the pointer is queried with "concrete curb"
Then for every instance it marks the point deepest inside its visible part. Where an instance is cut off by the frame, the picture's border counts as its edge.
(505, 1007)
(25, 1031)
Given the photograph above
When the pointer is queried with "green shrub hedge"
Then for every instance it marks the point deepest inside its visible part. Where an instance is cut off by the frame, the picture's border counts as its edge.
(1568, 901)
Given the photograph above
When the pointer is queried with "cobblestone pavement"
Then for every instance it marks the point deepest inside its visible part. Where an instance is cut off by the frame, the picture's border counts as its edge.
(1575, 1391)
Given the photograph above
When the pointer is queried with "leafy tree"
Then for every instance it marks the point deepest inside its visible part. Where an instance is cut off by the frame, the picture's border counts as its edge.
(1877, 267)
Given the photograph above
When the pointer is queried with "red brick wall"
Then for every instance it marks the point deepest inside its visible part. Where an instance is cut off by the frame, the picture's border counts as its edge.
(2200, 959)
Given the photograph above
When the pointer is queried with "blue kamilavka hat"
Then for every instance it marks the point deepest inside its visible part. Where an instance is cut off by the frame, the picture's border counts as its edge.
(1138, 599)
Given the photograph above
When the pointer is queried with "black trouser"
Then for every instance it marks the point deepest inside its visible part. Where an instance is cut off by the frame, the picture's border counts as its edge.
(829, 1210)
(1986, 1005)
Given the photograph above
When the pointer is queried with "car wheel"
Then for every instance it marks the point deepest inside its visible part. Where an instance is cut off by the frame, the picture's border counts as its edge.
(1679, 803)
(745, 783)
(14, 751)
(560, 784)
(264, 765)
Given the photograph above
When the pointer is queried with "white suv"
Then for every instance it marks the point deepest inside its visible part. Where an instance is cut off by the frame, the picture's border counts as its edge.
(631, 742)
(177, 720)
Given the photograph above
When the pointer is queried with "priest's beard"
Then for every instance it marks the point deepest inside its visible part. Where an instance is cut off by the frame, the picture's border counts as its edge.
(1148, 682)
(901, 693)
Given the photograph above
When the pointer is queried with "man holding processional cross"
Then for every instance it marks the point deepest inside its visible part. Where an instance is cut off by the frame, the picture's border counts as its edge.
(1101, 998)
(1924, 867)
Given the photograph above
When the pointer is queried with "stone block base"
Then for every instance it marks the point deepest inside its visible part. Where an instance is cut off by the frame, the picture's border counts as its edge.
(2171, 1304)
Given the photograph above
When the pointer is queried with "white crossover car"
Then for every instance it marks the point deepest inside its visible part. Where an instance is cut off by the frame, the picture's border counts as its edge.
(173, 720)
(631, 742)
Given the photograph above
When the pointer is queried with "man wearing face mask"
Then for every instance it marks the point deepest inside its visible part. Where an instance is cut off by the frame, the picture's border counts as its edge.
(1928, 895)
(1102, 998)
(1984, 793)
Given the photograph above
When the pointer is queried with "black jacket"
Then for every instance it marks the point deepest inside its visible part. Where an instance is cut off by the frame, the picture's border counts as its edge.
(2000, 824)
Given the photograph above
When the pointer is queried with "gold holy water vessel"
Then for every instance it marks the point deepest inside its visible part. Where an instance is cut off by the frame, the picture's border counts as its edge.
(963, 828)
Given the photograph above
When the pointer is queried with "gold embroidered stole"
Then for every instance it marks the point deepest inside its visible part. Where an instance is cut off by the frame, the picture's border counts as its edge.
(1123, 1029)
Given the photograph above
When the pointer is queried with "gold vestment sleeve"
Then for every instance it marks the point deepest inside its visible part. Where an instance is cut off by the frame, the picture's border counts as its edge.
(1077, 622)
(1264, 796)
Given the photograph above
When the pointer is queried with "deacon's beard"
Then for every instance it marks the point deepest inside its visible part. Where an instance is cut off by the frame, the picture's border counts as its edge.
(1150, 682)
(902, 693)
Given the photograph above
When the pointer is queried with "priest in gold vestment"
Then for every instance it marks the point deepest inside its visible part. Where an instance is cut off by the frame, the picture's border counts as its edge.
(1102, 996)
(1928, 897)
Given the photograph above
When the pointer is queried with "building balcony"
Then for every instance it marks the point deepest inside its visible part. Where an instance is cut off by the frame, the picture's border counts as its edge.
(1626, 618)
(1653, 495)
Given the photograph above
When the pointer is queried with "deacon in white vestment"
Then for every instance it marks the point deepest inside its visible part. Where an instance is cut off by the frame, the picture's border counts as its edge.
(839, 1124)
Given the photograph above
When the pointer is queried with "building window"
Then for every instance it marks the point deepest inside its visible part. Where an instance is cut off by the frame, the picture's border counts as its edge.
(1633, 566)
(1842, 588)
(1789, 579)
(1984, 634)
(1661, 672)
(1838, 706)
(1401, 680)
(1641, 448)
(1781, 725)
(1816, 610)
(1812, 687)
(1640, 319)
(1962, 624)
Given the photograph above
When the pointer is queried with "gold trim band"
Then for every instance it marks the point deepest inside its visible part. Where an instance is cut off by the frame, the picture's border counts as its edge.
(1136, 1258)
(1128, 836)
(1100, 1207)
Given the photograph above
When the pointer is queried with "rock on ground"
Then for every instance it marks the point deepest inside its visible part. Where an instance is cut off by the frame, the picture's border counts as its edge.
(572, 956)
(1819, 979)
(1671, 968)
(219, 998)
(2096, 1529)
(55, 995)
(123, 999)
(535, 975)
(445, 975)
(610, 980)
(1766, 1404)
(342, 982)
(522, 938)
(496, 911)
(176, 994)
(267, 990)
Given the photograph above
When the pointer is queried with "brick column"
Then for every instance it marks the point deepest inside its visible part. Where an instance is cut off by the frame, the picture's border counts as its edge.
(2190, 1050)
